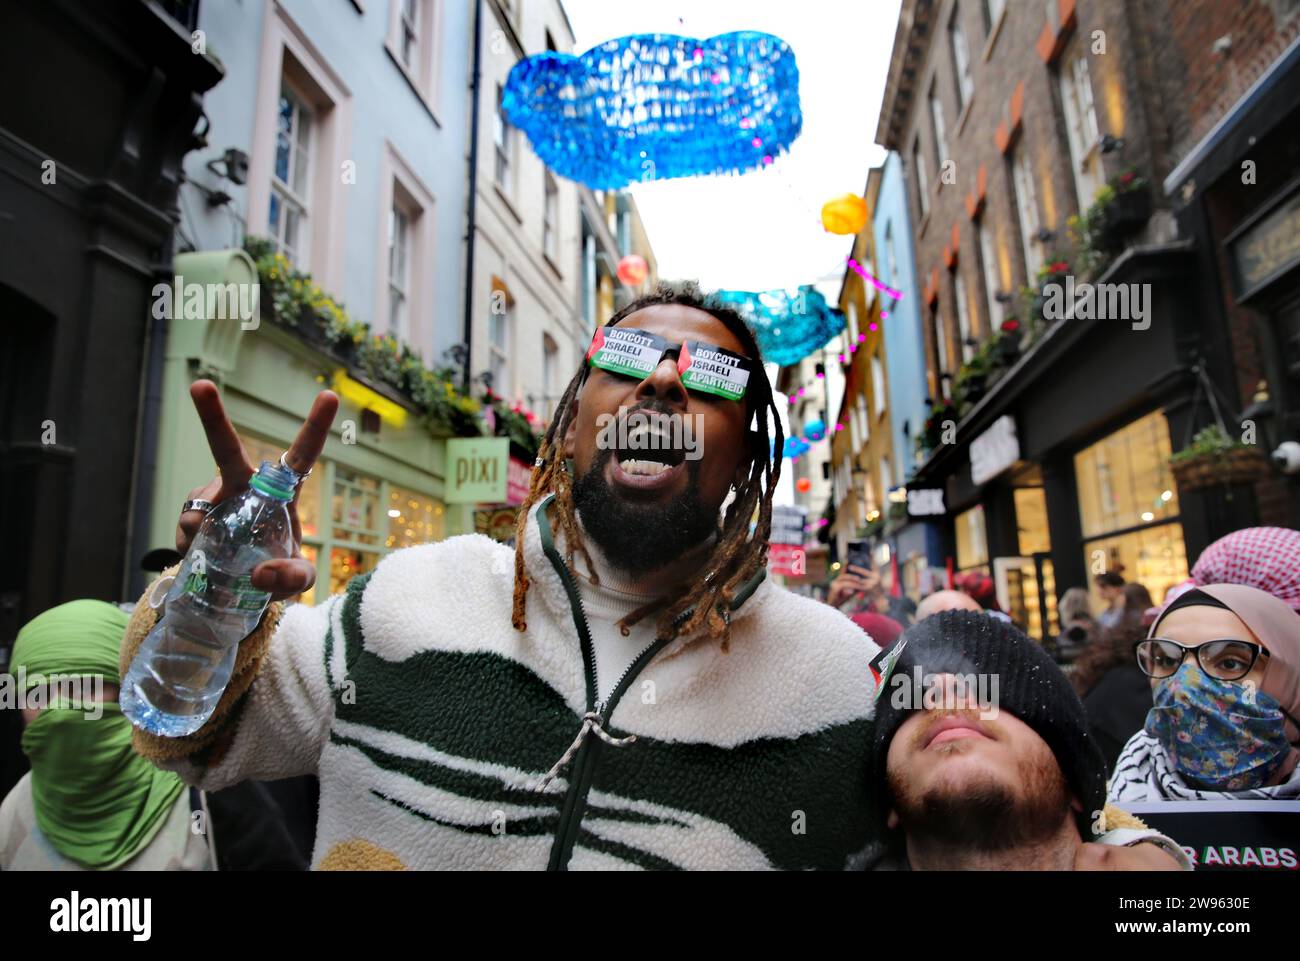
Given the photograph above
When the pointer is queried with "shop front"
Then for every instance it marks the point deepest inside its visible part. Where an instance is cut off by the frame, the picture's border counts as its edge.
(380, 482)
(1237, 195)
(1061, 471)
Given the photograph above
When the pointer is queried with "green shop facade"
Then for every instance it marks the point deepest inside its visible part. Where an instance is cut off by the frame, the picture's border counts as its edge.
(380, 484)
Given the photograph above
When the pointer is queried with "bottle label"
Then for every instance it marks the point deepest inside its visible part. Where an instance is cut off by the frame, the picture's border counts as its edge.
(250, 598)
(241, 590)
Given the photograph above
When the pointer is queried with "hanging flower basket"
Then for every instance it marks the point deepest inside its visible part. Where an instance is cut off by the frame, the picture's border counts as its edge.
(1214, 460)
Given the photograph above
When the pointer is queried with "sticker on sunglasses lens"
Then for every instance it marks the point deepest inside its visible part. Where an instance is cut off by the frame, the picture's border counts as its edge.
(713, 370)
(622, 350)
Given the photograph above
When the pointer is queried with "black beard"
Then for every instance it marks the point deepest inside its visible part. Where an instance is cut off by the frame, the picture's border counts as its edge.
(641, 538)
(987, 816)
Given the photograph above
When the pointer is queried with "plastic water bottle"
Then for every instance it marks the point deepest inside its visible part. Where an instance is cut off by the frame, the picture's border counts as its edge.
(184, 664)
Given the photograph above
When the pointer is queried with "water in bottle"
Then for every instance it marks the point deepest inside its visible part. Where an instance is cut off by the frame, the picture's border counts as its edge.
(184, 664)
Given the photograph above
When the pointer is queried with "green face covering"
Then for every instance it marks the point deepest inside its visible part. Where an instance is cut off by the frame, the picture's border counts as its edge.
(97, 801)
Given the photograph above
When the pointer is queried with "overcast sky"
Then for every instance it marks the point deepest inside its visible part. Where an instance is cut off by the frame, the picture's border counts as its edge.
(762, 230)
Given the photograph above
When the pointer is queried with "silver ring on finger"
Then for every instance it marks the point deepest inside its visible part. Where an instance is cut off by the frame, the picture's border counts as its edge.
(301, 477)
(197, 504)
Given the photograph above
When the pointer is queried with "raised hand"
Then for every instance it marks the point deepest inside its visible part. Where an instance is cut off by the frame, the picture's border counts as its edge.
(282, 577)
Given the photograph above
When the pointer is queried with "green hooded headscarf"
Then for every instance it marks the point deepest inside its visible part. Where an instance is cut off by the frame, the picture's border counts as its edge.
(97, 801)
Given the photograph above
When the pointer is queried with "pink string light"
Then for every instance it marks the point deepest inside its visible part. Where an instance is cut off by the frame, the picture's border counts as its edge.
(857, 268)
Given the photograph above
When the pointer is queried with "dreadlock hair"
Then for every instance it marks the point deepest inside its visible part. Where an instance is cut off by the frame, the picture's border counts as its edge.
(702, 604)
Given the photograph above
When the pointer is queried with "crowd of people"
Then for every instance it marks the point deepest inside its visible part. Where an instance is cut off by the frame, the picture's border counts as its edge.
(624, 687)
(1196, 698)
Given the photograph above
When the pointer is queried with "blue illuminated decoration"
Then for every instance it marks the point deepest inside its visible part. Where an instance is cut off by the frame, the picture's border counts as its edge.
(787, 325)
(658, 106)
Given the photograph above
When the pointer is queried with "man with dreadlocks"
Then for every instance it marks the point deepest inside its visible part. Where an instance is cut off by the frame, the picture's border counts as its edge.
(624, 690)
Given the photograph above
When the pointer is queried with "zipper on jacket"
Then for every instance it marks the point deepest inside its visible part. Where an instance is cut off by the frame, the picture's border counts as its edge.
(583, 768)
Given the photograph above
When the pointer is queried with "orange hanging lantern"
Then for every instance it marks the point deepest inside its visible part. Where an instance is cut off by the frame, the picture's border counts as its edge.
(844, 215)
(803, 485)
(633, 270)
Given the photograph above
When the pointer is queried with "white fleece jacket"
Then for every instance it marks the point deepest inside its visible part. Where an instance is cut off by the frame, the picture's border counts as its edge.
(431, 723)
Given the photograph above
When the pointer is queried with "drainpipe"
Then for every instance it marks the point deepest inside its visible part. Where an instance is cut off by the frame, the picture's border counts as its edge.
(475, 83)
(146, 459)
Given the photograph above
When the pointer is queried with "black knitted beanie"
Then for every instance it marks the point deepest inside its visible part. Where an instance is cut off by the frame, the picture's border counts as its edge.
(1030, 686)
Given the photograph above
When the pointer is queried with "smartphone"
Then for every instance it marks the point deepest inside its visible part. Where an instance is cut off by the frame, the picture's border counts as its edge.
(859, 555)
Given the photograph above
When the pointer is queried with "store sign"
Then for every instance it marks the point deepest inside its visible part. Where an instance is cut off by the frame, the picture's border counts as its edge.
(925, 502)
(787, 560)
(1229, 835)
(518, 478)
(994, 451)
(788, 525)
(1267, 248)
(477, 470)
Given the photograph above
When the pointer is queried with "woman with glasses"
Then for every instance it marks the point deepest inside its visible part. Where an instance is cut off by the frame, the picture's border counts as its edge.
(1224, 665)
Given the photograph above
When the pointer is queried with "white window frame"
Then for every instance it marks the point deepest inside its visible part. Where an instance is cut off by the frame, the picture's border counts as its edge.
(937, 125)
(499, 347)
(503, 138)
(294, 193)
(989, 265)
(922, 181)
(421, 62)
(960, 58)
(878, 385)
(401, 189)
(1022, 177)
(963, 316)
(550, 372)
(941, 345)
(287, 55)
(550, 217)
(399, 272)
(1081, 127)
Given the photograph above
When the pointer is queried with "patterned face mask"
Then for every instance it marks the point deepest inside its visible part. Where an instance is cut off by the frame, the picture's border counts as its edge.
(1219, 735)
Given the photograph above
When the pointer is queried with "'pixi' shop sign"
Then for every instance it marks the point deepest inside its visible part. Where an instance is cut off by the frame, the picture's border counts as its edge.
(477, 470)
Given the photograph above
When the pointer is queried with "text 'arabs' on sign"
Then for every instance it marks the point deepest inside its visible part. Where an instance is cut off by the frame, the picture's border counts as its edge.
(713, 370)
(625, 351)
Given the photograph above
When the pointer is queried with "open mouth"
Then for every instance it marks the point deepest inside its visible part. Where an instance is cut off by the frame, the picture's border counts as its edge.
(649, 460)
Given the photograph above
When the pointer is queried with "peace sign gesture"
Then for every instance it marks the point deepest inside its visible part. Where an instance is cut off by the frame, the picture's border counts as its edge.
(282, 577)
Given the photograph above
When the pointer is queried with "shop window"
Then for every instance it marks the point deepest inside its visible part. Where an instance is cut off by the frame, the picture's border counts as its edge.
(1031, 520)
(972, 539)
(1154, 557)
(1128, 506)
(1124, 479)
(413, 518)
(368, 518)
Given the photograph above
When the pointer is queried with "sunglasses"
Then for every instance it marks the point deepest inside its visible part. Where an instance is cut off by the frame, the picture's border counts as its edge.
(703, 368)
(1227, 660)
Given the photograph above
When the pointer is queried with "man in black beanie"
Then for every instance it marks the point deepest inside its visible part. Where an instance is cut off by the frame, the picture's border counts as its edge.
(981, 757)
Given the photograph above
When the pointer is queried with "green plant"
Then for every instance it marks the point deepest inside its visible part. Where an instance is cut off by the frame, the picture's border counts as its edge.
(296, 300)
(1209, 440)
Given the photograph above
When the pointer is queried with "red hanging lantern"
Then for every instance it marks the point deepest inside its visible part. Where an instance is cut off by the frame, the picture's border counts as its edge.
(633, 270)
(803, 485)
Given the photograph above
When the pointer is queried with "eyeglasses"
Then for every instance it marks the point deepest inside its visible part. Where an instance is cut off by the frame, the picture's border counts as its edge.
(704, 368)
(1227, 660)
